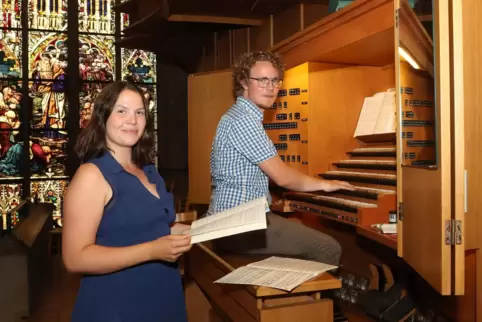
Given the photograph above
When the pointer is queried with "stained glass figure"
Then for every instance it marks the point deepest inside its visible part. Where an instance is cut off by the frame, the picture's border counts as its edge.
(10, 99)
(48, 55)
(10, 14)
(10, 196)
(51, 191)
(12, 156)
(48, 154)
(48, 14)
(49, 104)
(96, 16)
(138, 66)
(96, 58)
(10, 54)
(86, 99)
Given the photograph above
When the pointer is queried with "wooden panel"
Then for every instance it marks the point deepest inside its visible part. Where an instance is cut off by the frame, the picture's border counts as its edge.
(472, 87)
(313, 12)
(459, 140)
(208, 61)
(286, 23)
(341, 30)
(223, 50)
(304, 312)
(209, 96)
(288, 106)
(426, 193)
(336, 98)
(240, 42)
(422, 86)
(260, 37)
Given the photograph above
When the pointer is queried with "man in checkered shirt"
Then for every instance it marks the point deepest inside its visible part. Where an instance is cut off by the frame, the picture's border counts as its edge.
(243, 158)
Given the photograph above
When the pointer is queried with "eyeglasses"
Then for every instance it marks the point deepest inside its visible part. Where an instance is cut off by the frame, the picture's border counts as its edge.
(263, 82)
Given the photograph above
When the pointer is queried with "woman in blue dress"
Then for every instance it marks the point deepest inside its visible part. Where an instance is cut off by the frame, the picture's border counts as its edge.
(118, 226)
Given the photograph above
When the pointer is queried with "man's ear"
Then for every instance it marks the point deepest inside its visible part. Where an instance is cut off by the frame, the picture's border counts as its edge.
(244, 83)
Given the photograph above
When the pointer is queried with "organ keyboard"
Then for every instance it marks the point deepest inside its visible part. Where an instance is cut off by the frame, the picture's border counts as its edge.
(372, 170)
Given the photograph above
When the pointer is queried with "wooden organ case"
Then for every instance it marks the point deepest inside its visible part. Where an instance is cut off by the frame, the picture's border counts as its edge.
(413, 175)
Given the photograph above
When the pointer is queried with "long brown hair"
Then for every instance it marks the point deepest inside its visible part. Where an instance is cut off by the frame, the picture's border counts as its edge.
(92, 143)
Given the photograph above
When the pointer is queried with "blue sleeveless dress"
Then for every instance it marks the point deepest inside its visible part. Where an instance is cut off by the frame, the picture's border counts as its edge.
(148, 292)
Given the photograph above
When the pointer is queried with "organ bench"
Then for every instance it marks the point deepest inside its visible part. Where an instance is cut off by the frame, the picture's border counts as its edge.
(244, 303)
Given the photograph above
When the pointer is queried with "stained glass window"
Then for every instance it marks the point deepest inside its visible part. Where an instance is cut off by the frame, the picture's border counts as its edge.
(10, 99)
(97, 16)
(49, 104)
(10, 196)
(10, 54)
(47, 14)
(10, 14)
(96, 58)
(12, 156)
(43, 152)
(138, 66)
(50, 191)
(48, 55)
(48, 154)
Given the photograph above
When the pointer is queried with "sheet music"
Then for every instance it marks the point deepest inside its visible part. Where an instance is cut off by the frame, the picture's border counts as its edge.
(294, 265)
(284, 280)
(243, 218)
(369, 114)
(386, 117)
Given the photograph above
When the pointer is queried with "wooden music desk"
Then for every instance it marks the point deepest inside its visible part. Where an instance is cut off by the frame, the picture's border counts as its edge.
(246, 303)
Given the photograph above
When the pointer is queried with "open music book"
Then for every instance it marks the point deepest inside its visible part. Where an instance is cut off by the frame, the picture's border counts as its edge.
(240, 219)
(377, 115)
(276, 272)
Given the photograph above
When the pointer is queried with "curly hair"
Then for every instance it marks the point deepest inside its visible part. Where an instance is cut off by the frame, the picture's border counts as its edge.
(246, 61)
(91, 142)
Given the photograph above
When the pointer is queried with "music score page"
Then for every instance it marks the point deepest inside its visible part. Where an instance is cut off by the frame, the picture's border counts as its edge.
(243, 218)
(276, 272)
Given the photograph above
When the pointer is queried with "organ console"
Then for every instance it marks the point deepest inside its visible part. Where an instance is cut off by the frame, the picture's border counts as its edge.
(409, 175)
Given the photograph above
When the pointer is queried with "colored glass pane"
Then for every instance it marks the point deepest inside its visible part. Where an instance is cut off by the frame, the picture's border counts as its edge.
(97, 16)
(50, 191)
(124, 20)
(48, 154)
(10, 14)
(47, 14)
(48, 55)
(138, 66)
(10, 196)
(87, 97)
(12, 156)
(10, 99)
(96, 58)
(49, 104)
(10, 53)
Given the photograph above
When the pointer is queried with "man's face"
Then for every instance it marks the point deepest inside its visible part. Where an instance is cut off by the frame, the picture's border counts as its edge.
(262, 86)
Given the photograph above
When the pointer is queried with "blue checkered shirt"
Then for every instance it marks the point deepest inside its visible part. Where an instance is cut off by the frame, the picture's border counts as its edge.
(239, 146)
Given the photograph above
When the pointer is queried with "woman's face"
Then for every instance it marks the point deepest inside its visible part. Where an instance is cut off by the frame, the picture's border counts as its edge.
(127, 122)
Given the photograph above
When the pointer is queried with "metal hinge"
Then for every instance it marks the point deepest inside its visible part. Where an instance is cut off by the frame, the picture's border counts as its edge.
(400, 211)
(453, 232)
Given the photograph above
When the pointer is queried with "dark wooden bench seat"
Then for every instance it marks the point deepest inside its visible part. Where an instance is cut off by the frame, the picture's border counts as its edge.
(245, 303)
